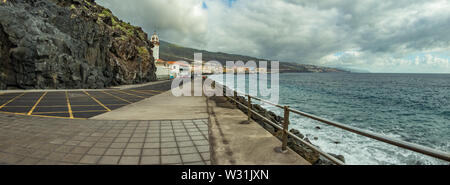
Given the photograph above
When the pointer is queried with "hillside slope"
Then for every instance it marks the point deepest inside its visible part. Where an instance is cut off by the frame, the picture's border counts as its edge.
(174, 52)
(69, 44)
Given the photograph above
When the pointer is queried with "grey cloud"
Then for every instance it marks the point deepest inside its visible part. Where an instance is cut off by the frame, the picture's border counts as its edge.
(300, 31)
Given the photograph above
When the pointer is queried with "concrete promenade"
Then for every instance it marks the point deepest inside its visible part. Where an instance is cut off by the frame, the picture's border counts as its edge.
(161, 129)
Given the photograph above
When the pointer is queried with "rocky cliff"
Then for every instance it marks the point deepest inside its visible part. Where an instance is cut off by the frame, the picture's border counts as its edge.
(69, 44)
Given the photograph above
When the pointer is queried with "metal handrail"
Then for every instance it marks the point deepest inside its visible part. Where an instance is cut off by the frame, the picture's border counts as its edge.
(326, 155)
(402, 144)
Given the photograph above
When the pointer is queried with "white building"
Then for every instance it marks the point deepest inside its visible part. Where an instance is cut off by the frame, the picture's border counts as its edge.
(155, 42)
(162, 68)
(178, 69)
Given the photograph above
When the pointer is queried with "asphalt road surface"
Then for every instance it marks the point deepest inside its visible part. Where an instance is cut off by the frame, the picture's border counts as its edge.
(75, 104)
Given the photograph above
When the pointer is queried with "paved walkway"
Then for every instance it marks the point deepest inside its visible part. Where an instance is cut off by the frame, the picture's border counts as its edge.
(47, 141)
(162, 129)
(233, 143)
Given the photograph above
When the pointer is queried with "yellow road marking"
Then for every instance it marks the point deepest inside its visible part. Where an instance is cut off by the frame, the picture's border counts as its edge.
(130, 94)
(100, 103)
(117, 97)
(68, 105)
(143, 92)
(64, 112)
(24, 114)
(56, 106)
(11, 100)
(37, 102)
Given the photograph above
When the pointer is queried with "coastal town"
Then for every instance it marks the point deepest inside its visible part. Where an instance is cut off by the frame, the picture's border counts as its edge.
(174, 69)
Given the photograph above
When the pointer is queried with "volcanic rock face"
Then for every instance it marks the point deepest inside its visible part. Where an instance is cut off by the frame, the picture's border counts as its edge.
(69, 44)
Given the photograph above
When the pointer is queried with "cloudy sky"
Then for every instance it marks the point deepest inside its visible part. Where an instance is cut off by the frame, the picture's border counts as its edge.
(378, 36)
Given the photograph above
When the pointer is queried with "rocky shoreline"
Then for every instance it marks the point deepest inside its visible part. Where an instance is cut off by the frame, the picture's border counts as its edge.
(307, 153)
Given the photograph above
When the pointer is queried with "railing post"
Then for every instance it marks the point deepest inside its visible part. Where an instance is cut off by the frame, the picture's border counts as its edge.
(235, 98)
(285, 129)
(249, 106)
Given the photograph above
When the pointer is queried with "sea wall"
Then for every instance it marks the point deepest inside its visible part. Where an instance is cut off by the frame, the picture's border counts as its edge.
(307, 153)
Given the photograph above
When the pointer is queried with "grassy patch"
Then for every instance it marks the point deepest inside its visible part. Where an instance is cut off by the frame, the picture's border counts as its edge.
(105, 13)
(143, 51)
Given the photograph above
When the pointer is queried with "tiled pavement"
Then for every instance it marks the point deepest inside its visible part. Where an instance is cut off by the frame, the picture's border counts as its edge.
(47, 141)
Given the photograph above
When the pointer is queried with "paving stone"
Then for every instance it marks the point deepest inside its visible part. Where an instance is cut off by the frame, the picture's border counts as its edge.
(137, 140)
(40, 153)
(47, 162)
(171, 159)
(118, 145)
(90, 159)
(73, 158)
(188, 150)
(150, 152)
(72, 143)
(55, 156)
(195, 157)
(201, 142)
(114, 152)
(204, 148)
(185, 143)
(97, 151)
(150, 160)
(152, 145)
(152, 140)
(183, 138)
(168, 144)
(109, 160)
(121, 140)
(135, 145)
(28, 161)
(126, 160)
(80, 150)
(169, 151)
(195, 163)
(102, 144)
(86, 143)
(64, 149)
(133, 152)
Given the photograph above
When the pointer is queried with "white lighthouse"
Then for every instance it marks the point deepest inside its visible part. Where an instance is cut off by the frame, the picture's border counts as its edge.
(155, 42)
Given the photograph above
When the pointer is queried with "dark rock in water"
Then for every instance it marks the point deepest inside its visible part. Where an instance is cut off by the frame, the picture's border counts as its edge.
(304, 151)
(297, 133)
(324, 161)
(69, 44)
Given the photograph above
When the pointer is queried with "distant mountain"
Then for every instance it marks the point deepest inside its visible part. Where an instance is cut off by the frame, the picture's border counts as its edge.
(353, 70)
(173, 52)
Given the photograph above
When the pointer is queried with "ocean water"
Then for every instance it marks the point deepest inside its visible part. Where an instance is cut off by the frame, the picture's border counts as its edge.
(409, 107)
